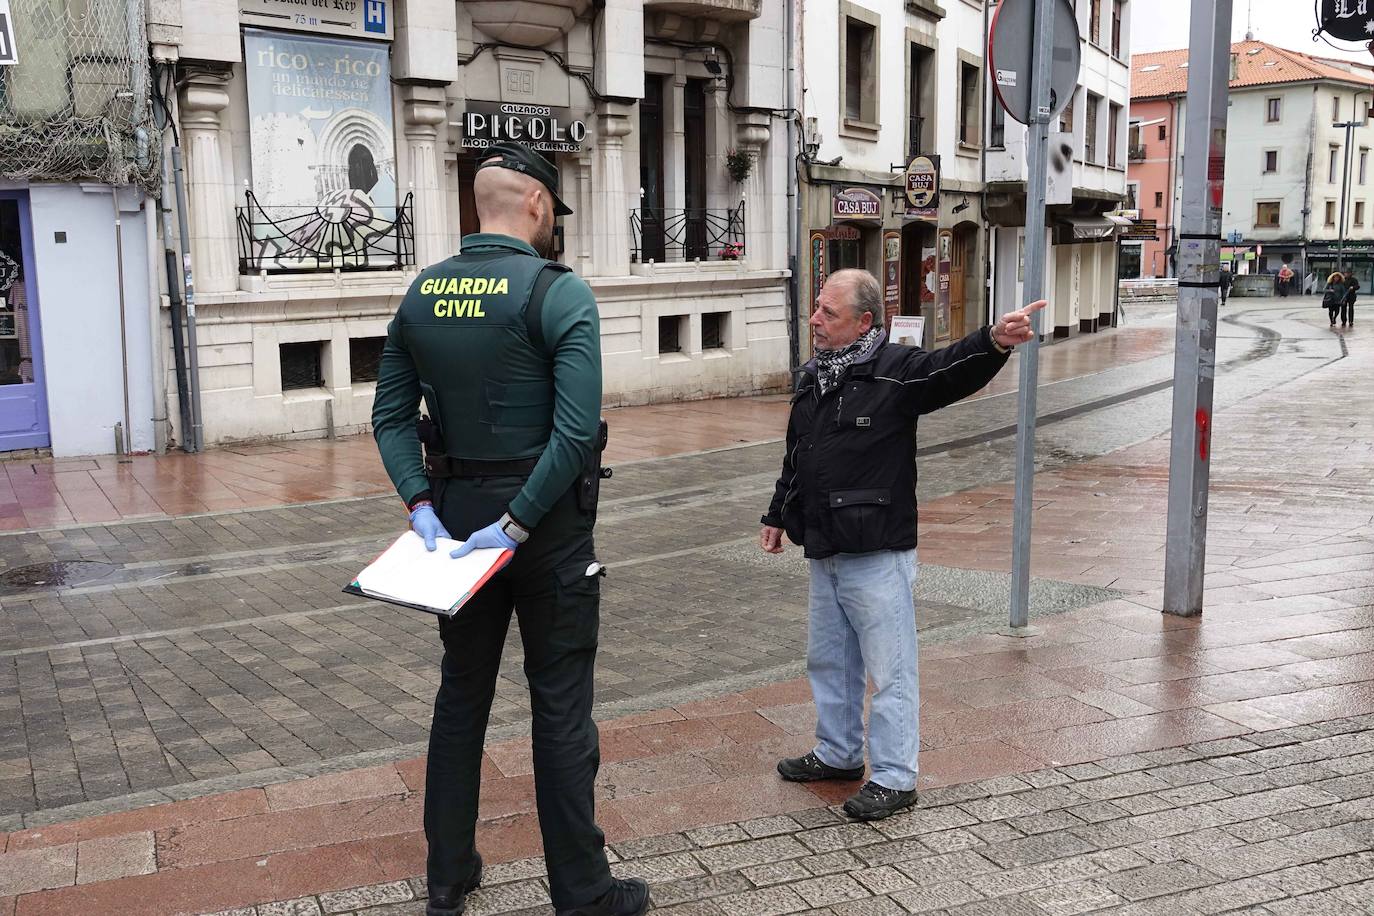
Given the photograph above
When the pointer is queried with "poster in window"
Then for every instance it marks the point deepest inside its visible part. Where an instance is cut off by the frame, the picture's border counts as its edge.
(892, 273)
(928, 280)
(322, 142)
(946, 246)
(818, 274)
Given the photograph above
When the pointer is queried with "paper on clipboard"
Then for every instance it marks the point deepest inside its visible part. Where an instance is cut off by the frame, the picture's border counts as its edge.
(409, 575)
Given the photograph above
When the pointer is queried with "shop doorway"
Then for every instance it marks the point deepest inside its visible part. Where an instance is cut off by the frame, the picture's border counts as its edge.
(23, 397)
(918, 269)
(961, 284)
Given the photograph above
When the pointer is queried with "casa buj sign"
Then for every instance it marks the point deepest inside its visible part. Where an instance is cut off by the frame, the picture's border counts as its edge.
(1348, 20)
(545, 129)
(923, 187)
(856, 203)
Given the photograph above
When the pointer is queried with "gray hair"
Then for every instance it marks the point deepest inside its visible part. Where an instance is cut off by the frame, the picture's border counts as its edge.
(864, 292)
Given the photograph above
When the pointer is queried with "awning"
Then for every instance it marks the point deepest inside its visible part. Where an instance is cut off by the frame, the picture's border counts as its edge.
(1123, 223)
(1090, 228)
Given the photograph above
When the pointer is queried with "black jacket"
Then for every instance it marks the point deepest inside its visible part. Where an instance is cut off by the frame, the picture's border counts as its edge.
(848, 481)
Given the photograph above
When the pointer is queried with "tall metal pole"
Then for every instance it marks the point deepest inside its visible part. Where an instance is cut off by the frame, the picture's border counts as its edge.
(1036, 174)
(1345, 193)
(1199, 288)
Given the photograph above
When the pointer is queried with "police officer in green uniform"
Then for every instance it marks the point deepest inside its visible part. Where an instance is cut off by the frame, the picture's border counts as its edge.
(504, 348)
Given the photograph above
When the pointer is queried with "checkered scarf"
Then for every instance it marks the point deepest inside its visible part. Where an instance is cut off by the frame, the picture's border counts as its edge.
(830, 364)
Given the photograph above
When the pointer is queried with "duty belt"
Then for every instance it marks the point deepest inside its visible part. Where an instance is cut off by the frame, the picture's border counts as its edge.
(446, 466)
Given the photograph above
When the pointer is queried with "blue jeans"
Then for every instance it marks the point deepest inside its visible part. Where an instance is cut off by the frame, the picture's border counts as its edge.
(863, 624)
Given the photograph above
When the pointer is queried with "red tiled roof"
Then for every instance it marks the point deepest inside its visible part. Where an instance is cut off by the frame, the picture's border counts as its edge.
(1163, 73)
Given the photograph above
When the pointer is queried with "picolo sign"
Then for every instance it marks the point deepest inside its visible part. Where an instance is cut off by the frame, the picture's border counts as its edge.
(1348, 20)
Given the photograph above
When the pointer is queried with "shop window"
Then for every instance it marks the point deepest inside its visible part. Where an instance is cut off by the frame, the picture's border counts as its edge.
(364, 358)
(843, 254)
(301, 365)
(670, 333)
(859, 66)
(1266, 214)
(714, 326)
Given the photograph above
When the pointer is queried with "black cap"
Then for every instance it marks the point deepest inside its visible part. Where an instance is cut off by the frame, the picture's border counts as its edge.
(521, 158)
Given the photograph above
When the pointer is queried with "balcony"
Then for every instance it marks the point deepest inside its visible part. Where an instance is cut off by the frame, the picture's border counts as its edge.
(720, 10)
(345, 232)
(1135, 153)
(693, 234)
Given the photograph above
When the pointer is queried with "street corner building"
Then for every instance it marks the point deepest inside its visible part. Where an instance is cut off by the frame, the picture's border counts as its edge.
(327, 153)
(911, 169)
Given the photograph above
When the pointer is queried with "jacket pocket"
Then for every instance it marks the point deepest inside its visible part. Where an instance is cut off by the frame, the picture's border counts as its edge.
(858, 519)
(518, 404)
(576, 620)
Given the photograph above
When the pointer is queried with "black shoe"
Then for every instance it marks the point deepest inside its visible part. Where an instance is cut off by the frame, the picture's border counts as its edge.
(627, 897)
(451, 901)
(874, 802)
(809, 768)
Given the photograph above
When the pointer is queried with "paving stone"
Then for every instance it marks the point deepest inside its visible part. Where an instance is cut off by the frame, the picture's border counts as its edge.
(776, 872)
(363, 897)
(843, 836)
(925, 898)
(770, 826)
(830, 889)
(302, 906)
(1073, 898)
(657, 869)
(502, 898)
(641, 847)
(768, 901)
(717, 835)
(1230, 895)
(868, 906)
(754, 852)
(883, 879)
(1158, 880)
(686, 890)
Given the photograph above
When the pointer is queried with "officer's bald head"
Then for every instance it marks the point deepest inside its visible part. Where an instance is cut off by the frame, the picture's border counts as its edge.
(512, 203)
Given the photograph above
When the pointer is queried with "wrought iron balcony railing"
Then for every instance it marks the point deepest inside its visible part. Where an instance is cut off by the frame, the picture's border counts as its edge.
(345, 231)
(686, 235)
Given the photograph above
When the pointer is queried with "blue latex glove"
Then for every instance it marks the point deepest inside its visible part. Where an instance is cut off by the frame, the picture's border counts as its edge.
(426, 524)
(490, 536)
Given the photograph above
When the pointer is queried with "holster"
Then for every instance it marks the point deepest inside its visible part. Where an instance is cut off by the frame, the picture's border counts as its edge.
(589, 481)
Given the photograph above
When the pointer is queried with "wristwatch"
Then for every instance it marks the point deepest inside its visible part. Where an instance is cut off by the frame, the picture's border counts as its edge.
(513, 529)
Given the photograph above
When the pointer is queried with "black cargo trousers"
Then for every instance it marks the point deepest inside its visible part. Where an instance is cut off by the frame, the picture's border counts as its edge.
(557, 606)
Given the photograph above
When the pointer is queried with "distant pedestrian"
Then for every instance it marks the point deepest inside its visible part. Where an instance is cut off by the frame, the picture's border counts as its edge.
(1352, 289)
(1227, 278)
(1333, 300)
(1285, 280)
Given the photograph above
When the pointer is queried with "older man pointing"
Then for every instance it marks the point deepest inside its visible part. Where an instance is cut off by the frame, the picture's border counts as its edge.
(847, 496)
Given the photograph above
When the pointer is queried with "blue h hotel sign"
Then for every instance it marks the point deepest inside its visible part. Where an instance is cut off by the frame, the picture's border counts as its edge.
(374, 16)
(350, 18)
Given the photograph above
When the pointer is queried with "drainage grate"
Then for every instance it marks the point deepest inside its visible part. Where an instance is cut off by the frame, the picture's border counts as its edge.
(59, 574)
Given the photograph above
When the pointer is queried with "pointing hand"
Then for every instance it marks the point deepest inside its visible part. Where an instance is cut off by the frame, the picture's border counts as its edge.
(1015, 327)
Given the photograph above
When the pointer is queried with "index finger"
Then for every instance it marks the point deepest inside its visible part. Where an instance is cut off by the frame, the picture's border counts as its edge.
(1034, 307)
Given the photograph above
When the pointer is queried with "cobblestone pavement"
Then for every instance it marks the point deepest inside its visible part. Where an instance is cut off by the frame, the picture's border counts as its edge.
(146, 656)
(1278, 822)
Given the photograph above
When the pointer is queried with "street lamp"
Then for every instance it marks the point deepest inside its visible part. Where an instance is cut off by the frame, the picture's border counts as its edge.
(1345, 176)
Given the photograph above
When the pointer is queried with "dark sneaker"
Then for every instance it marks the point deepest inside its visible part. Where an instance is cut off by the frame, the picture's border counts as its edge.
(809, 768)
(874, 802)
(627, 897)
(453, 900)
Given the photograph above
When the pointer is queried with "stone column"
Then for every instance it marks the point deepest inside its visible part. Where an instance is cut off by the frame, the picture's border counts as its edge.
(751, 133)
(580, 254)
(425, 113)
(213, 241)
(612, 204)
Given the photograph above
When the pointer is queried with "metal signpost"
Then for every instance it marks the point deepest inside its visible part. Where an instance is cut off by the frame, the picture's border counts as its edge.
(1199, 288)
(1044, 46)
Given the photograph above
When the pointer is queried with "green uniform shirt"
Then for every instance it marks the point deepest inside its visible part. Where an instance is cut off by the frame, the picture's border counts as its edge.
(460, 333)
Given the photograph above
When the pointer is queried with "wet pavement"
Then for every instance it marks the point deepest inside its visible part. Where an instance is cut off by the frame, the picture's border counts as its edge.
(212, 659)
